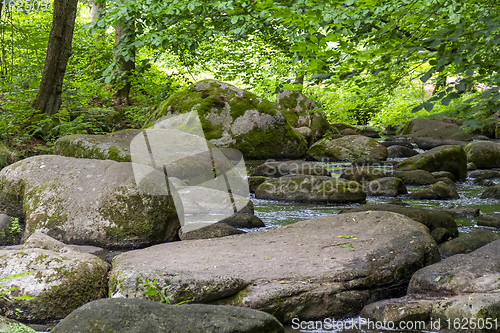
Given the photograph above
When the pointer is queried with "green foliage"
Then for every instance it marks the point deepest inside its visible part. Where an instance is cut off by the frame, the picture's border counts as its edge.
(15, 228)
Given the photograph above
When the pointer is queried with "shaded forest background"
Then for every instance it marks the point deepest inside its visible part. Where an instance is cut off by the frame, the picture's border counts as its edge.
(363, 61)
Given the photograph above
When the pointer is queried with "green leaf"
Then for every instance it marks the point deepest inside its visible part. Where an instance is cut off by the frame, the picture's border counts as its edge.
(437, 279)
(234, 20)
(151, 292)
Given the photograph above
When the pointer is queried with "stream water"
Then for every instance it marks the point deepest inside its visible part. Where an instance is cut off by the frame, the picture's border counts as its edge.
(278, 213)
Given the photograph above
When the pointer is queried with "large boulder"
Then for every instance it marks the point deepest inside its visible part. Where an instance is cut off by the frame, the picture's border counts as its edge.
(351, 148)
(139, 316)
(442, 158)
(328, 266)
(55, 282)
(460, 290)
(431, 219)
(419, 127)
(298, 111)
(114, 146)
(234, 118)
(86, 201)
(304, 188)
(484, 155)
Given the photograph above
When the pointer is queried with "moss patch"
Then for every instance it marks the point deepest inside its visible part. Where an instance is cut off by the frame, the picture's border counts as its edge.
(86, 283)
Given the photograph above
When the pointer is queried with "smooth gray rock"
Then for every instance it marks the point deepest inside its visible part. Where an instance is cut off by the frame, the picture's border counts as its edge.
(328, 266)
(461, 286)
(467, 242)
(489, 220)
(398, 151)
(140, 316)
(475, 272)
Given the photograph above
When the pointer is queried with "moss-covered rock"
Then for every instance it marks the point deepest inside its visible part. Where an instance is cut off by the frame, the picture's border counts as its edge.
(386, 186)
(6, 156)
(415, 177)
(114, 146)
(489, 220)
(299, 111)
(58, 282)
(254, 182)
(467, 243)
(437, 191)
(352, 148)
(302, 188)
(140, 316)
(234, 118)
(442, 158)
(484, 155)
(419, 127)
(492, 192)
(82, 201)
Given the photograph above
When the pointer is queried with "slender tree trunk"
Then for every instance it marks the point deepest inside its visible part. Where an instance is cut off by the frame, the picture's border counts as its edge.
(48, 99)
(95, 7)
(126, 67)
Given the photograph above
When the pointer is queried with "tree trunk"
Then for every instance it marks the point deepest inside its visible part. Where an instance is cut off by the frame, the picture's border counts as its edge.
(48, 99)
(123, 94)
(96, 6)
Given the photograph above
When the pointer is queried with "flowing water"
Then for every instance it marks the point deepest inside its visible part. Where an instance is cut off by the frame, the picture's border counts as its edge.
(278, 213)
